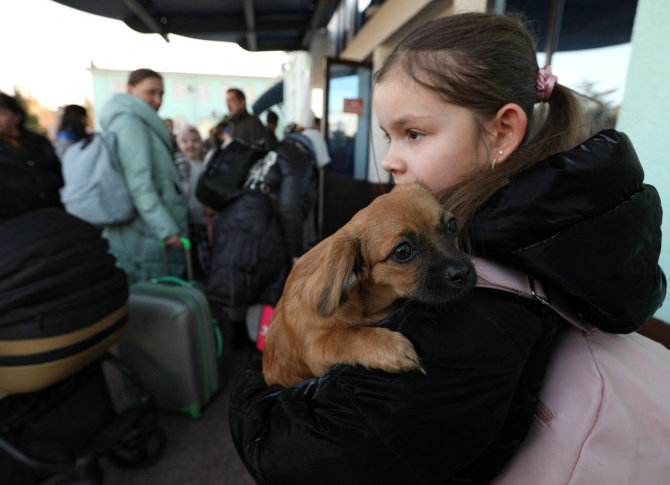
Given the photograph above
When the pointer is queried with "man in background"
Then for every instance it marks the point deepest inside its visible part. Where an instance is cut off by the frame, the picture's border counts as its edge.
(244, 127)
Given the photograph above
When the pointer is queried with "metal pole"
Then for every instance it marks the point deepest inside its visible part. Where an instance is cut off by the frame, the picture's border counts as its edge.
(553, 29)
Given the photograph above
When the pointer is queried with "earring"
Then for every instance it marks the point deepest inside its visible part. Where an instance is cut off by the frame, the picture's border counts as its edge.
(495, 160)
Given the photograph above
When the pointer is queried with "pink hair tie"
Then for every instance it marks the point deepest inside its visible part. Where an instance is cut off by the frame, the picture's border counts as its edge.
(545, 83)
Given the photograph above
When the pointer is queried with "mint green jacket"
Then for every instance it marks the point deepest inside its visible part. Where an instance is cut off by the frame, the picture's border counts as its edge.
(144, 149)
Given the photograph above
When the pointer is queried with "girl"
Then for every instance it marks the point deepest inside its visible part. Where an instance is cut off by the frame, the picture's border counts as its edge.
(189, 165)
(468, 112)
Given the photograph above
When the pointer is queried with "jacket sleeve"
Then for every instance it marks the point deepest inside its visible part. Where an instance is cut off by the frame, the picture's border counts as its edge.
(360, 426)
(133, 144)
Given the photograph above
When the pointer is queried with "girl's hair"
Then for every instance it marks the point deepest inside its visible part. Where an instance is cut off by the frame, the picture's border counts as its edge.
(140, 75)
(72, 120)
(483, 61)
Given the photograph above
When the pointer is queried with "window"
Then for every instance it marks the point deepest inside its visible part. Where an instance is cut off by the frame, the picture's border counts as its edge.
(202, 90)
(180, 91)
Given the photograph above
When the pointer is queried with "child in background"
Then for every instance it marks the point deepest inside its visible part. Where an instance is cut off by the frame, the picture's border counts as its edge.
(189, 165)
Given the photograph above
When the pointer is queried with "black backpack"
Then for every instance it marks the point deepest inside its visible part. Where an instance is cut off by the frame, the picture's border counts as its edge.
(225, 172)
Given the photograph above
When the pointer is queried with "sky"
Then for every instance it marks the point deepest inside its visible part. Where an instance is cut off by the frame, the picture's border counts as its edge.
(47, 48)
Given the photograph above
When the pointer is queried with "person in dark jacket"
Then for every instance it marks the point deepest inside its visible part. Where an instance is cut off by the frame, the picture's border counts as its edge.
(244, 126)
(30, 172)
(271, 120)
(71, 129)
(260, 233)
(457, 100)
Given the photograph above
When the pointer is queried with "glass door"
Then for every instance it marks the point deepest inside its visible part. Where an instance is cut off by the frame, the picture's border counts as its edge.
(347, 118)
(345, 186)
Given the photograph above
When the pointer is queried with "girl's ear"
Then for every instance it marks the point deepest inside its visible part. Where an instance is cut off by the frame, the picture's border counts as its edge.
(509, 127)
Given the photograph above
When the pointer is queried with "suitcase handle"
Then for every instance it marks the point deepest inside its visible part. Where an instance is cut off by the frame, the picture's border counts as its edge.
(173, 280)
(186, 244)
(219, 341)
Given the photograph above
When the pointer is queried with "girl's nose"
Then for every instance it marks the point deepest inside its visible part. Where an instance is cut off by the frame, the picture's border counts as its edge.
(392, 163)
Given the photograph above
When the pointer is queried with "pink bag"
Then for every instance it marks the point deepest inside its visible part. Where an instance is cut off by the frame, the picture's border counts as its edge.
(604, 415)
(263, 324)
(604, 412)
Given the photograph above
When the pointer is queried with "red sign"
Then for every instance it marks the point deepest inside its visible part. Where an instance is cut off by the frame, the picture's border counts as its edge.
(353, 105)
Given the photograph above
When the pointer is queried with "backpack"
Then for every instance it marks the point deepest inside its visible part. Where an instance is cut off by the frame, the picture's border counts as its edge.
(604, 410)
(95, 189)
(224, 174)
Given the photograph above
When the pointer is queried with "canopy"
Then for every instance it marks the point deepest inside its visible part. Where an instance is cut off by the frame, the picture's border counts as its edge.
(256, 25)
(262, 25)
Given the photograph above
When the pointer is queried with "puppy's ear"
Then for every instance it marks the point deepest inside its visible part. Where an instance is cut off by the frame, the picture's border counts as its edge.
(340, 278)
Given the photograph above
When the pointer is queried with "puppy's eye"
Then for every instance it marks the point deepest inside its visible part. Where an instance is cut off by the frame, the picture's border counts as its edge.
(402, 253)
(452, 228)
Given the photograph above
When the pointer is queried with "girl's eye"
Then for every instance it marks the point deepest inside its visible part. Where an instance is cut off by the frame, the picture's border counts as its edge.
(402, 253)
(414, 135)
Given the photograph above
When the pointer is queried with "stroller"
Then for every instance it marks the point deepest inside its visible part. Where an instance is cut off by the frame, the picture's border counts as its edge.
(63, 306)
(63, 431)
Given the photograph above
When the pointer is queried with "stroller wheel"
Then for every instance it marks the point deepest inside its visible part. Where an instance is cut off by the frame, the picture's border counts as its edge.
(141, 447)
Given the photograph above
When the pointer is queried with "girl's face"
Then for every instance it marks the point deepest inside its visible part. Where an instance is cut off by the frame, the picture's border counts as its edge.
(430, 141)
(190, 144)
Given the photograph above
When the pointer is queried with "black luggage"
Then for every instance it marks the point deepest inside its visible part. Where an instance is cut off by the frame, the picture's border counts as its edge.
(63, 299)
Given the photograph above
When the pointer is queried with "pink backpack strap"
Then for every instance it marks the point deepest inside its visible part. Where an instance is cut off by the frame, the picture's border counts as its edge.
(499, 277)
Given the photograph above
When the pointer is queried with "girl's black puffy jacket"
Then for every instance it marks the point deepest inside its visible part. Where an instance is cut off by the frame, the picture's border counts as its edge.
(583, 221)
(256, 236)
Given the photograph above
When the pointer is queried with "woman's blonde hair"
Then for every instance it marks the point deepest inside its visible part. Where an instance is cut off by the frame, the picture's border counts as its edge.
(483, 61)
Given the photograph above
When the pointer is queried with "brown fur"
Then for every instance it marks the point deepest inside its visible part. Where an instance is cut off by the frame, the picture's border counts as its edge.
(350, 281)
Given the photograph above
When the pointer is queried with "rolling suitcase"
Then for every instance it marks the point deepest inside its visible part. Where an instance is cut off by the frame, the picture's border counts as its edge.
(172, 342)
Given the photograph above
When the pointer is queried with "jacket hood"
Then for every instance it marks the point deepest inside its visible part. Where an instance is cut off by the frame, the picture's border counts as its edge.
(584, 223)
(124, 104)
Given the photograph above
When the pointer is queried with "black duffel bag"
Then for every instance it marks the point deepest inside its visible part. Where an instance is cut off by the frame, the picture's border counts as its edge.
(225, 172)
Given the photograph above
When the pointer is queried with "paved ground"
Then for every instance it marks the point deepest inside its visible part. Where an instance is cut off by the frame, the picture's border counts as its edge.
(198, 451)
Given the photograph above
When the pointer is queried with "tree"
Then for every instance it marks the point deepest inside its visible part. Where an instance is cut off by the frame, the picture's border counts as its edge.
(32, 123)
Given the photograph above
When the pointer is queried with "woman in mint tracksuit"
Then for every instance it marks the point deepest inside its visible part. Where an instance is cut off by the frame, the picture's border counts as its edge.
(144, 148)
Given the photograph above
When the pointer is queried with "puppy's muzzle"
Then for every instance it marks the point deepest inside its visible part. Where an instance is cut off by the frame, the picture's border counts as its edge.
(458, 274)
(447, 281)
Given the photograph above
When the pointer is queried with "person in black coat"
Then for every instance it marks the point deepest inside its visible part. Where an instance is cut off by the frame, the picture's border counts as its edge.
(30, 172)
(258, 235)
(531, 189)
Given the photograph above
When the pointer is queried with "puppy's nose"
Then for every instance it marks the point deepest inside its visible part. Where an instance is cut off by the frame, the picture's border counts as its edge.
(456, 274)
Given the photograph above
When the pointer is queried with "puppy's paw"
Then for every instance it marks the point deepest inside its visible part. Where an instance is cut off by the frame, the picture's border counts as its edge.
(394, 353)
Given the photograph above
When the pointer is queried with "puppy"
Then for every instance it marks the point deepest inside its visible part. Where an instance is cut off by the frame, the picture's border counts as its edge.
(402, 246)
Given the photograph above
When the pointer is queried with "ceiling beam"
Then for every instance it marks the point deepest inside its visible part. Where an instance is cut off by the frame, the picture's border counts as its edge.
(323, 10)
(227, 23)
(148, 16)
(250, 22)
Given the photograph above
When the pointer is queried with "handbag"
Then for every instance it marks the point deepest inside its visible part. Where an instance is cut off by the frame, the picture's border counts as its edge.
(604, 409)
(224, 174)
